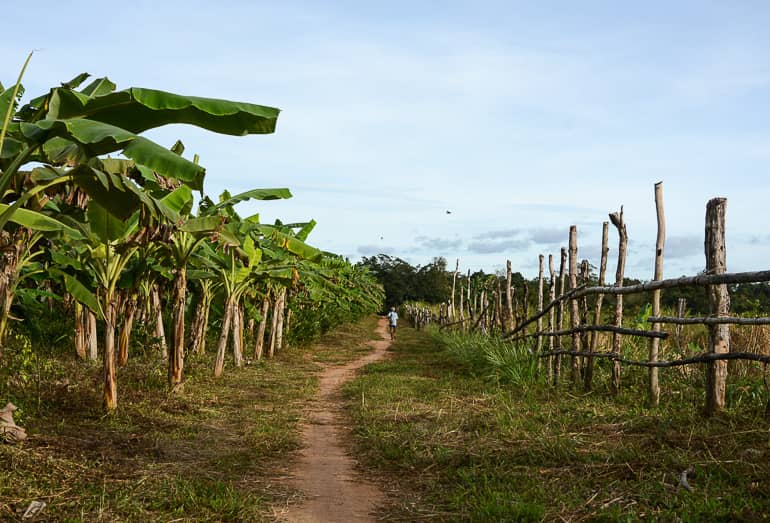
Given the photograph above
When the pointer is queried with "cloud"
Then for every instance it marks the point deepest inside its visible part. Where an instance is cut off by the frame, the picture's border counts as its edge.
(759, 240)
(540, 235)
(683, 247)
(494, 235)
(482, 247)
(371, 250)
(439, 245)
(549, 236)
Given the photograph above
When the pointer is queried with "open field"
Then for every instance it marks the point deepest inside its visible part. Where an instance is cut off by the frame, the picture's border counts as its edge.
(466, 447)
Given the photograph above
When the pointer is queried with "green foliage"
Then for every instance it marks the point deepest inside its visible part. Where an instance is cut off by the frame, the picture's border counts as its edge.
(490, 356)
(403, 282)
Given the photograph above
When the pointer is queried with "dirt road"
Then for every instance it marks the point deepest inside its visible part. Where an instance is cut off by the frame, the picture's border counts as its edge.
(334, 490)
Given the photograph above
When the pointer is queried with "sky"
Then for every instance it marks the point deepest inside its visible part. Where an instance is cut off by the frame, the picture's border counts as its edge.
(477, 131)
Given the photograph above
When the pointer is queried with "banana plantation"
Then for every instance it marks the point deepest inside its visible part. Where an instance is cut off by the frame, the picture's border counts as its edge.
(114, 234)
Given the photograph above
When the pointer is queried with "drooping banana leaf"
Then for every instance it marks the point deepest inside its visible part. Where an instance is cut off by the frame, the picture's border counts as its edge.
(137, 110)
(97, 138)
(80, 292)
(38, 221)
(290, 243)
(253, 194)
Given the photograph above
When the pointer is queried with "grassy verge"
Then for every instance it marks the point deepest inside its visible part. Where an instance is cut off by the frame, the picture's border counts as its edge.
(210, 453)
(467, 447)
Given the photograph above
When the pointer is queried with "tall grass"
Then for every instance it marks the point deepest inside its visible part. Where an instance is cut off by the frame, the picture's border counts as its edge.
(490, 356)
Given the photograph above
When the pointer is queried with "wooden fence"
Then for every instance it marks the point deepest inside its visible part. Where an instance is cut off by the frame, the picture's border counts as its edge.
(492, 309)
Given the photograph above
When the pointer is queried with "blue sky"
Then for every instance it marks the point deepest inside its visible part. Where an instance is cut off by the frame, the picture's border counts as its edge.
(519, 118)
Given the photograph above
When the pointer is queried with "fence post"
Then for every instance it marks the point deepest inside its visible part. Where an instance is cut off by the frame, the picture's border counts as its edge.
(654, 386)
(719, 304)
(681, 305)
(540, 309)
(617, 221)
(574, 312)
(589, 370)
(508, 298)
(551, 318)
(452, 311)
(560, 314)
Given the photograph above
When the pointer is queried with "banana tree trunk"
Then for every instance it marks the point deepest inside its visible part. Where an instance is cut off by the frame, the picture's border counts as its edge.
(222, 344)
(6, 295)
(287, 323)
(260, 343)
(110, 397)
(157, 314)
(274, 326)
(12, 247)
(129, 312)
(91, 341)
(237, 334)
(200, 325)
(80, 331)
(279, 323)
(195, 326)
(176, 355)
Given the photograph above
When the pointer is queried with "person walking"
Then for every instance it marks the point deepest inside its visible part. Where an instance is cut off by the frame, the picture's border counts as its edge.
(392, 322)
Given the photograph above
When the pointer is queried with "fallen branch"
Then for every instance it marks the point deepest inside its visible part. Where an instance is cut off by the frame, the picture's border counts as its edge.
(702, 358)
(714, 320)
(684, 281)
(599, 328)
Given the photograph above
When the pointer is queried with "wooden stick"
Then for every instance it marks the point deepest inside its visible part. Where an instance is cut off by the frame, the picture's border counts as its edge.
(508, 297)
(589, 371)
(600, 328)
(574, 308)
(539, 343)
(454, 281)
(560, 313)
(685, 281)
(617, 221)
(709, 320)
(681, 305)
(703, 358)
(719, 304)
(653, 389)
(551, 317)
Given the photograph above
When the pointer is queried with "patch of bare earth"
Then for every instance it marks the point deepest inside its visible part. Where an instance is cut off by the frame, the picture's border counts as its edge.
(334, 491)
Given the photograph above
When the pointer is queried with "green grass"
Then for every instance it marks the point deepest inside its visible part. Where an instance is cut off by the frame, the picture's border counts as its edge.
(465, 446)
(213, 452)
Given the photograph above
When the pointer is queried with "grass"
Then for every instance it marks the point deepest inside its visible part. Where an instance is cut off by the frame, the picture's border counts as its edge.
(214, 452)
(467, 447)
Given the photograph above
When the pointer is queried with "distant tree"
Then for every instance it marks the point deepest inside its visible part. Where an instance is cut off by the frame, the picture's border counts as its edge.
(404, 282)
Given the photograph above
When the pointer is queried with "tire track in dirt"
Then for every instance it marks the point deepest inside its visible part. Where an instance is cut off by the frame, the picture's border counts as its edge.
(325, 473)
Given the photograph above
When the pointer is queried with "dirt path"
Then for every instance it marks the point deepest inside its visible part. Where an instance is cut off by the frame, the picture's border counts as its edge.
(325, 472)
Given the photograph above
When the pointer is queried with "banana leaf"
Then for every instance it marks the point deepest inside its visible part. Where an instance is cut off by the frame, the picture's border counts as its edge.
(137, 110)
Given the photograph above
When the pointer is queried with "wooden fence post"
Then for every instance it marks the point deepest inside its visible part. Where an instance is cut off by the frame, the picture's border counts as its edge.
(653, 392)
(617, 221)
(681, 305)
(719, 304)
(508, 297)
(574, 308)
(539, 346)
(584, 276)
(589, 370)
(551, 318)
(560, 314)
(454, 281)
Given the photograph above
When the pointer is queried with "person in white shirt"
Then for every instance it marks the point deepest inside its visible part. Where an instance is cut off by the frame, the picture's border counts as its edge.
(392, 322)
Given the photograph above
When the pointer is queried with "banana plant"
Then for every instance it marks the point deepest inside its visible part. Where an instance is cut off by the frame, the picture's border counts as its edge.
(189, 233)
(104, 255)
